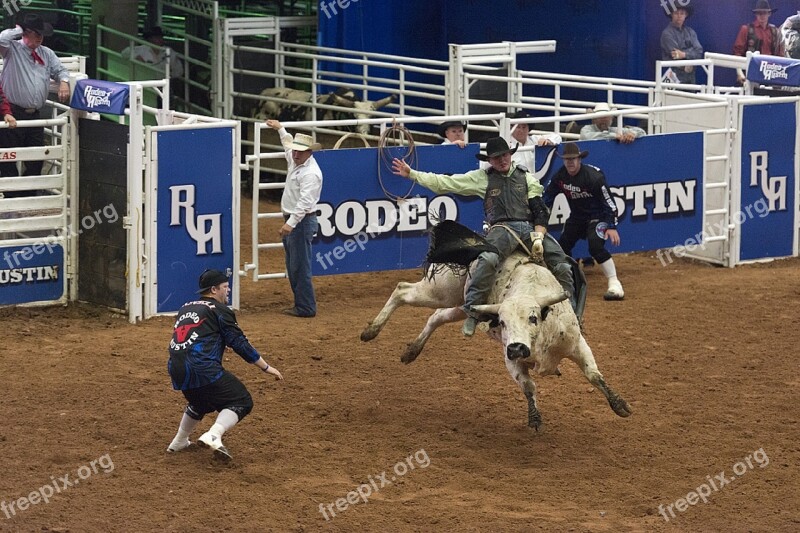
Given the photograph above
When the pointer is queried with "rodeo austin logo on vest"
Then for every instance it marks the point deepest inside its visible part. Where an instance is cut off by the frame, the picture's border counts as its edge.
(99, 96)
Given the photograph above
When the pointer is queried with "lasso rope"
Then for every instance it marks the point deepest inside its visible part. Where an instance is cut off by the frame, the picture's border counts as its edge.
(399, 134)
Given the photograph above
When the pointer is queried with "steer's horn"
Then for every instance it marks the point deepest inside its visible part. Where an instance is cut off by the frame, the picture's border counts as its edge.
(344, 102)
(554, 299)
(491, 309)
(383, 101)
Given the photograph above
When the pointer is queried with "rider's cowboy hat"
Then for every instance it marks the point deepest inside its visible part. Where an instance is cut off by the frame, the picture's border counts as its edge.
(494, 147)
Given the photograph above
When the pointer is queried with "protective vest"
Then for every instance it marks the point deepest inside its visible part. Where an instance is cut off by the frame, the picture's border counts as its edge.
(203, 328)
(506, 198)
(754, 43)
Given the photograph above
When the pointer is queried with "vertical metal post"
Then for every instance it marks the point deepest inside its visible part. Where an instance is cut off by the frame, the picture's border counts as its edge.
(133, 222)
(735, 118)
(796, 250)
(256, 195)
(237, 207)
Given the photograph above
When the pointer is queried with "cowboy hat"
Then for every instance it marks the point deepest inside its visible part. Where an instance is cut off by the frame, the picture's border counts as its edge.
(571, 151)
(33, 22)
(303, 142)
(210, 278)
(518, 114)
(494, 147)
(602, 107)
(155, 31)
(763, 5)
(449, 124)
(687, 6)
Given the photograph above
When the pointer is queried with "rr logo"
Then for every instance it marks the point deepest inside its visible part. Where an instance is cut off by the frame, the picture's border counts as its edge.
(203, 228)
(773, 187)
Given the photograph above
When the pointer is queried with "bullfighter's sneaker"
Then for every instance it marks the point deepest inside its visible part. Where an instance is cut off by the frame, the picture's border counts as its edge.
(614, 291)
(207, 440)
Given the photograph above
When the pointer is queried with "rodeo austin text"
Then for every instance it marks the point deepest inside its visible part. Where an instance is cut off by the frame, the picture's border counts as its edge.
(375, 217)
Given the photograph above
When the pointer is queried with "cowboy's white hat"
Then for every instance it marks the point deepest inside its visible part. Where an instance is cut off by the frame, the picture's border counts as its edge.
(303, 142)
(602, 107)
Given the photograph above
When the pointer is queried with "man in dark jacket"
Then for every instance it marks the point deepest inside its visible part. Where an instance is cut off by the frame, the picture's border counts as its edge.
(203, 329)
(679, 41)
(593, 213)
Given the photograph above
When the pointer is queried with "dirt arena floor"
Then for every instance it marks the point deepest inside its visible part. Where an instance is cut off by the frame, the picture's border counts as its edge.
(705, 356)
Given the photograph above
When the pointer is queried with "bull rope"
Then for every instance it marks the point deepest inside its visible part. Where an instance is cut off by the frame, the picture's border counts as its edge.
(399, 134)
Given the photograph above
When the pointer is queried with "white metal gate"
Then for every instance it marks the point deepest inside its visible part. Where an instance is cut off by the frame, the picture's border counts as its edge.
(719, 120)
(44, 220)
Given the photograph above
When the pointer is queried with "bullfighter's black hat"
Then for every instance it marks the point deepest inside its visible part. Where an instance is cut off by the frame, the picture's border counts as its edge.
(210, 278)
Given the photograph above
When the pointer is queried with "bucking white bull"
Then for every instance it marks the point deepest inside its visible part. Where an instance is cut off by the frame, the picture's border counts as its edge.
(302, 111)
(531, 317)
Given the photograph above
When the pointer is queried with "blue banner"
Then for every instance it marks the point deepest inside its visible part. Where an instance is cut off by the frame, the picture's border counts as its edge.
(362, 228)
(656, 182)
(100, 96)
(31, 273)
(195, 211)
(766, 215)
(773, 70)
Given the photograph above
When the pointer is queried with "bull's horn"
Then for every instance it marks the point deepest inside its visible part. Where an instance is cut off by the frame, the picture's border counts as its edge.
(384, 101)
(554, 299)
(344, 102)
(489, 309)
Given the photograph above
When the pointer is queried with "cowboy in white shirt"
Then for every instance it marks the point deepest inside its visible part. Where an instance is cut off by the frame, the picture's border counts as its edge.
(520, 133)
(299, 206)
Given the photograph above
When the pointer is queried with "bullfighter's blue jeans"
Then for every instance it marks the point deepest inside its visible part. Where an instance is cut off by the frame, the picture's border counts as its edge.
(297, 248)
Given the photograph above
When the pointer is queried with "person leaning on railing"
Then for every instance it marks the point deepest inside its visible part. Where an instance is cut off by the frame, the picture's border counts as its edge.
(601, 128)
(28, 68)
(155, 53)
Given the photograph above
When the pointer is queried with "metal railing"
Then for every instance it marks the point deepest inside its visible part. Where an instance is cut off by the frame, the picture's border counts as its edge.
(419, 85)
(255, 159)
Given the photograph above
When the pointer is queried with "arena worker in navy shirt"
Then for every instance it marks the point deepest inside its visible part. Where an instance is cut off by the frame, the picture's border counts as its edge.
(593, 213)
(203, 329)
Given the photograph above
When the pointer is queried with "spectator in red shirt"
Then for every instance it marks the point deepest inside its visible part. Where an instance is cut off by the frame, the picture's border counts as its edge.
(759, 35)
